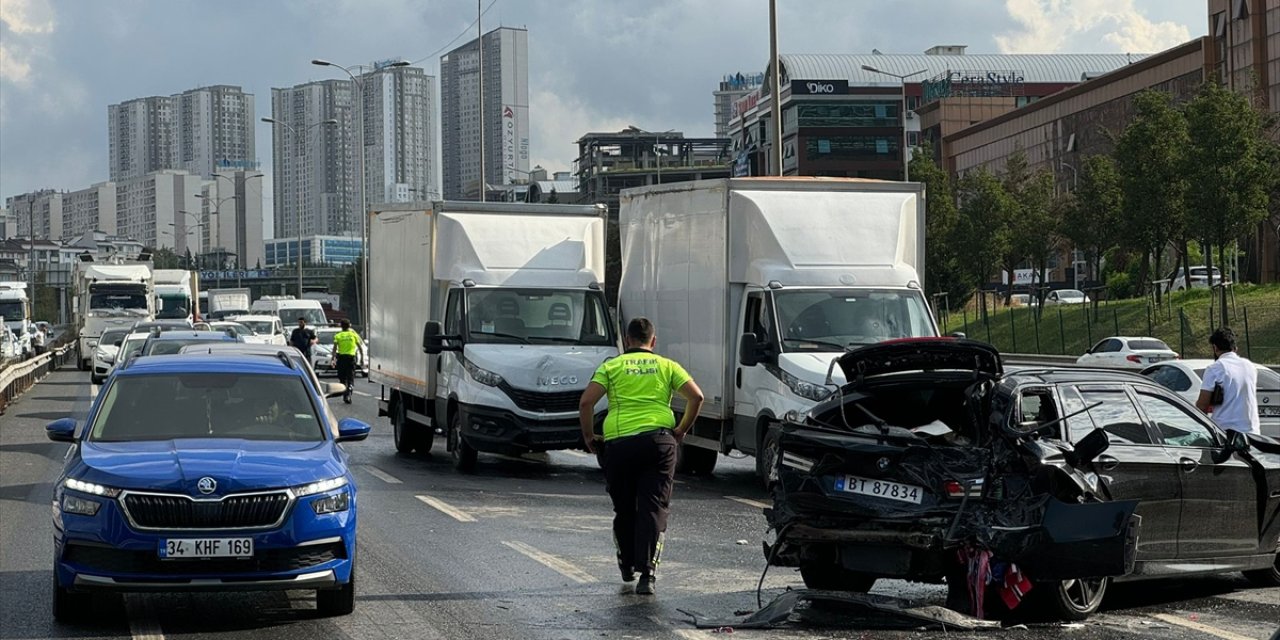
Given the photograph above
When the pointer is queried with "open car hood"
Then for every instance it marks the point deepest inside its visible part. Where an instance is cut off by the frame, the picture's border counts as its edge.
(921, 354)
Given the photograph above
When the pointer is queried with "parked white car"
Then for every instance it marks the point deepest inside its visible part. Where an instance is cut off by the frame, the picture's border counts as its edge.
(104, 354)
(1066, 296)
(1184, 377)
(267, 329)
(1124, 352)
(1199, 279)
(322, 359)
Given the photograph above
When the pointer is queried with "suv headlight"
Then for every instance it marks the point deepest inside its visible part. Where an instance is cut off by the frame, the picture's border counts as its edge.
(90, 488)
(804, 389)
(331, 504)
(72, 503)
(483, 376)
(321, 486)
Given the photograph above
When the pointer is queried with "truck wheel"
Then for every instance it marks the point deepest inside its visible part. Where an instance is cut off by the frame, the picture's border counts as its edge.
(767, 458)
(696, 460)
(402, 429)
(1072, 600)
(464, 455)
(829, 576)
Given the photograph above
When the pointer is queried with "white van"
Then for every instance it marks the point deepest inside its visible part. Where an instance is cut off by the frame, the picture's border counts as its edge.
(289, 309)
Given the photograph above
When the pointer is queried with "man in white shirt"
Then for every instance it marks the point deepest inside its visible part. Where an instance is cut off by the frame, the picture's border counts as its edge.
(1239, 379)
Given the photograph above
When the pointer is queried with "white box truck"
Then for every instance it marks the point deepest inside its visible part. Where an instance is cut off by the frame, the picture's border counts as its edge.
(226, 303)
(112, 294)
(173, 294)
(15, 309)
(505, 300)
(756, 285)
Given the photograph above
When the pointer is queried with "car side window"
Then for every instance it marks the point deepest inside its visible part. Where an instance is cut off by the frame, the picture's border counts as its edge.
(1113, 346)
(1078, 425)
(1171, 378)
(1036, 405)
(1176, 426)
(1116, 415)
(1100, 347)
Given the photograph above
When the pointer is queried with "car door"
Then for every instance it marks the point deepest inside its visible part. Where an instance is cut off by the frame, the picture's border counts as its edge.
(1134, 467)
(1219, 499)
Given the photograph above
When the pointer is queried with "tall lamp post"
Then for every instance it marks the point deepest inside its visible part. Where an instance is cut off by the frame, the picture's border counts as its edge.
(218, 232)
(906, 171)
(295, 133)
(362, 287)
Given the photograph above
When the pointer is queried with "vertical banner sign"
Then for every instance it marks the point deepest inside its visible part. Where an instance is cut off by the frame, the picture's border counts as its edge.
(509, 151)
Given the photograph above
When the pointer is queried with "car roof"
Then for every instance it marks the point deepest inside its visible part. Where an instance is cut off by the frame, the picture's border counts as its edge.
(241, 347)
(187, 335)
(1078, 375)
(206, 363)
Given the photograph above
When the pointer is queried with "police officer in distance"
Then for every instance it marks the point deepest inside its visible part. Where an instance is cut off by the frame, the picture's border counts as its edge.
(640, 440)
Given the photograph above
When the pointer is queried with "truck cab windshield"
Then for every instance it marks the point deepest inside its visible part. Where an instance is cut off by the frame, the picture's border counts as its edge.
(12, 310)
(118, 300)
(839, 319)
(172, 307)
(315, 317)
(537, 316)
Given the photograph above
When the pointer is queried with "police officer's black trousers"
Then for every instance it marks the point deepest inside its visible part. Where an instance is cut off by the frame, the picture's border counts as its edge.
(346, 366)
(640, 471)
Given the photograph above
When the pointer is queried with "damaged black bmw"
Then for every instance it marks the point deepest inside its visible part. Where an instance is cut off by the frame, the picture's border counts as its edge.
(1032, 488)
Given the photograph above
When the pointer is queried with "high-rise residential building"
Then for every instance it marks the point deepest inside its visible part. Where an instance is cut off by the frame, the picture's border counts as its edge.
(89, 209)
(315, 177)
(231, 211)
(400, 138)
(160, 210)
(8, 223)
(213, 129)
(140, 137)
(199, 131)
(506, 113)
(41, 209)
(732, 88)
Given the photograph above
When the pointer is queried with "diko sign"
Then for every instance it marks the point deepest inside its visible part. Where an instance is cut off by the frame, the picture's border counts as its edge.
(819, 87)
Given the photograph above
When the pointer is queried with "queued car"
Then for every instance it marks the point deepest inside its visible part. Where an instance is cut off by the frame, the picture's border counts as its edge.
(161, 325)
(250, 491)
(1125, 352)
(1183, 377)
(104, 354)
(1061, 480)
(129, 348)
(322, 353)
(266, 328)
(170, 342)
(1066, 296)
(241, 332)
(1199, 279)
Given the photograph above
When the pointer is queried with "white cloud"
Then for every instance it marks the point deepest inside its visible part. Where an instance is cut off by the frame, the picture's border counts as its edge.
(27, 16)
(1048, 26)
(558, 121)
(13, 65)
(22, 22)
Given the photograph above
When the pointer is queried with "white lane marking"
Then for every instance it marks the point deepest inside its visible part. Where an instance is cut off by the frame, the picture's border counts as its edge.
(446, 508)
(559, 565)
(571, 496)
(142, 620)
(577, 453)
(93, 390)
(1202, 628)
(750, 503)
(380, 474)
(361, 393)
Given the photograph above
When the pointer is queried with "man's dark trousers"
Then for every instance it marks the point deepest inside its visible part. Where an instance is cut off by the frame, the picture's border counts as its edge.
(639, 472)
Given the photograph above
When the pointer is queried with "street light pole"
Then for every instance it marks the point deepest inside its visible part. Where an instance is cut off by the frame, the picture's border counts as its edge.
(774, 79)
(363, 282)
(906, 169)
(294, 133)
(480, 86)
(239, 230)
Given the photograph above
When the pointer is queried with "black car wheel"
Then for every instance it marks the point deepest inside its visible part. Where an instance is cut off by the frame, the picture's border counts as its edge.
(464, 455)
(1073, 599)
(1266, 577)
(69, 606)
(829, 576)
(340, 601)
(767, 458)
(402, 430)
(696, 460)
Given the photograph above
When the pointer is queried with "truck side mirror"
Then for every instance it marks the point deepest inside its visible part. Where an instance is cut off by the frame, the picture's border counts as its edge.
(750, 351)
(431, 342)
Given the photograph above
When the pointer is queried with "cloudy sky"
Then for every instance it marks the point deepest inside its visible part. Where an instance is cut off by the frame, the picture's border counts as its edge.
(595, 65)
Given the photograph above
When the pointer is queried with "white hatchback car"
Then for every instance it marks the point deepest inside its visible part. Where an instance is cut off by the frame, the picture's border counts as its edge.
(1065, 296)
(267, 329)
(104, 354)
(1184, 376)
(1124, 352)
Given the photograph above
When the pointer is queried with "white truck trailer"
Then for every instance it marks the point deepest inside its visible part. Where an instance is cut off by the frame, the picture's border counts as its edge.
(15, 308)
(755, 285)
(174, 299)
(227, 303)
(506, 302)
(111, 294)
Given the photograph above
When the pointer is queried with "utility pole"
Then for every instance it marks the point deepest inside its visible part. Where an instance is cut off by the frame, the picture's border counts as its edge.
(480, 82)
(775, 78)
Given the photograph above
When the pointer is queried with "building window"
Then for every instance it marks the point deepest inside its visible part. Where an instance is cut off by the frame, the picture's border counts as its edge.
(850, 114)
(852, 148)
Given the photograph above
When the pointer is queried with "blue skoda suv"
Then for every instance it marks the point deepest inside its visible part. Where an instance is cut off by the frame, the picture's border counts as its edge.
(206, 472)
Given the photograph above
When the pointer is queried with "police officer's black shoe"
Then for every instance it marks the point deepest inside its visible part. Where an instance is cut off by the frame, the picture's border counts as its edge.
(646, 585)
(628, 575)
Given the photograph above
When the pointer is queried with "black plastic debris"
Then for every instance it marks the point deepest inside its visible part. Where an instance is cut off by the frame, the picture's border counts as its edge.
(845, 609)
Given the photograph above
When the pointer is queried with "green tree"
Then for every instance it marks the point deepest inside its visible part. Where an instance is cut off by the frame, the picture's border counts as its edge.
(165, 258)
(1091, 222)
(982, 236)
(942, 272)
(553, 197)
(1232, 165)
(1150, 159)
(1030, 222)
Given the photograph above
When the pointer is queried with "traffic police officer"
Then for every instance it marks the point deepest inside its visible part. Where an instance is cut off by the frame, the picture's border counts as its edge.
(346, 345)
(640, 439)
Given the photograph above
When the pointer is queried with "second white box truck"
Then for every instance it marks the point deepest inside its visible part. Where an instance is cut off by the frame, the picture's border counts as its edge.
(756, 284)
(505, 300)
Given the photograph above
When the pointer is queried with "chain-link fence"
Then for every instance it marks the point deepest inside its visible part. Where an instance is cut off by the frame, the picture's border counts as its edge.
(1071, 329)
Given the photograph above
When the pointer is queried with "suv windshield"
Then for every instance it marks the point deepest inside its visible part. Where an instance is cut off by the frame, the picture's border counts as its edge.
(836, 319)
(538, 316)
(209, 405)
(315, 317)
(260, 327)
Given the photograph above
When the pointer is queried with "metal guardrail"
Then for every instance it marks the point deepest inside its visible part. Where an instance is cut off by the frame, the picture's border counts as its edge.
(16, 378)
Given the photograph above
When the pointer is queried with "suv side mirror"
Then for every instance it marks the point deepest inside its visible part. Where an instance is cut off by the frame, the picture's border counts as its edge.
(351, 429)
(1090, 447)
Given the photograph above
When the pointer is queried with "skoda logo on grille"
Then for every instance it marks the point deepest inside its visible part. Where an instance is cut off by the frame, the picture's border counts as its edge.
(207, 485)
